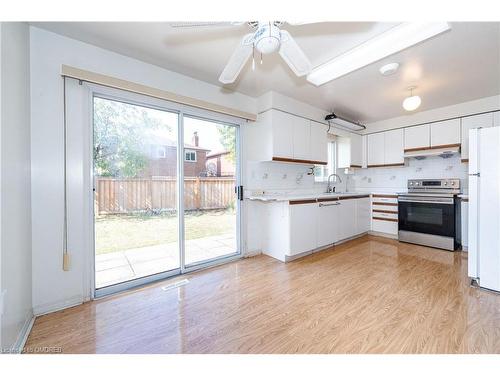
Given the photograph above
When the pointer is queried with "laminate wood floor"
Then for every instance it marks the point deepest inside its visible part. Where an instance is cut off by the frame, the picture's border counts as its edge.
(369, 295)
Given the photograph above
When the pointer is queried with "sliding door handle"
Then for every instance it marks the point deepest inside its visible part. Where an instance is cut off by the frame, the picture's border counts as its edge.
(239, 192)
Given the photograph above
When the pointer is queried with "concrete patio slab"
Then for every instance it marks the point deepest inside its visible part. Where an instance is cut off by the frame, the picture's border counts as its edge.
(120, 266)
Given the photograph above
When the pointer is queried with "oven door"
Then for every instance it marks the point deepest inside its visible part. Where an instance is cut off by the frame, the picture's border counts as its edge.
(430, 215)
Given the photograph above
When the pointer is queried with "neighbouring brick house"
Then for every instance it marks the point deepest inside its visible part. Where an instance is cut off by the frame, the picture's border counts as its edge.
(219, 164)
(163, 158)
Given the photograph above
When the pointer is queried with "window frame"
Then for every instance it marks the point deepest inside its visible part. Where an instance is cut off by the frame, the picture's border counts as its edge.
(161, 152)
(190, 152)
(331, 167)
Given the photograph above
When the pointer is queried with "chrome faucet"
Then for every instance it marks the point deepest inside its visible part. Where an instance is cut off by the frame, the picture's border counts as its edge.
(329, 187)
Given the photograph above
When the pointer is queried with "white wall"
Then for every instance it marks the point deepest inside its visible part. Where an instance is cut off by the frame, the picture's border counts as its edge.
(52, 287)
(15, 187)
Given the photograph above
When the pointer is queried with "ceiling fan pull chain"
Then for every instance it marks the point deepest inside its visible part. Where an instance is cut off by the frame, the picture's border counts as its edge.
(261, 58)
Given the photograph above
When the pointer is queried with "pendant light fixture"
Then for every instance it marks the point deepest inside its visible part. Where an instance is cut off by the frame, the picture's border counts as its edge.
(412, 102)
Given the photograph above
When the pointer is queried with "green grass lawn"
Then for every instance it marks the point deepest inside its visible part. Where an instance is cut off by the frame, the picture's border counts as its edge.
(122, 232)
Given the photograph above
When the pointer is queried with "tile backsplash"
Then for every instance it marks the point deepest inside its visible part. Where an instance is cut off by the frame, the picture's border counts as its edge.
(278, 177)
(395, 178)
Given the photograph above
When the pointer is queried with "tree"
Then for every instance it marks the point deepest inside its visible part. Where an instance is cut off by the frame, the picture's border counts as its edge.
(120, 137)
(227, 137)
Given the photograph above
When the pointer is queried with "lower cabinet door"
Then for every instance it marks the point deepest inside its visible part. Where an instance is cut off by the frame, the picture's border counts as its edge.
(327, 223)
(363, 219)
(347, 219)
(303, 227)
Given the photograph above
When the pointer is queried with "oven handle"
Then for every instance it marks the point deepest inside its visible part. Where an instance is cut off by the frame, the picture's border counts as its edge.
(413, 200)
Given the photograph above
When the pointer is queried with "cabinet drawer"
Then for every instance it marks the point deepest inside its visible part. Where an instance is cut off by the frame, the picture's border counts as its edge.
(384, 198)
(385, 215)
(384, 226)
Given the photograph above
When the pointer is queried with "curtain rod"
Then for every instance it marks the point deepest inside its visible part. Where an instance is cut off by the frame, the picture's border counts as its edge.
(117, 83)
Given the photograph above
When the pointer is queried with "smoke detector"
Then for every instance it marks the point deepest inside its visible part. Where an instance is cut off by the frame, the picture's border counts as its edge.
(389, 69)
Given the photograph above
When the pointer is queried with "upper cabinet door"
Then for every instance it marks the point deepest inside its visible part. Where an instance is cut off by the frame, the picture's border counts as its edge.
(417, 137)
(393, 146)
(282, 124)
(301, 138)
(496, 118)
(484, 120)
(376, 152)
(444, 133)
(356, 151)
(319, 142)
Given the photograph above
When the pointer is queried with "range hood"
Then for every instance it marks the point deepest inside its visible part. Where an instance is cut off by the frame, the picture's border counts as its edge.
(442, 151)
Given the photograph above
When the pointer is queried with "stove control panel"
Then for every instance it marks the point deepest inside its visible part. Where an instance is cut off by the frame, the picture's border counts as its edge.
(438, 184)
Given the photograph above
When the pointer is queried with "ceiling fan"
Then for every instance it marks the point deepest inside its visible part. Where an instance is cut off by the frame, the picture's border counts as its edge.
(266, 37)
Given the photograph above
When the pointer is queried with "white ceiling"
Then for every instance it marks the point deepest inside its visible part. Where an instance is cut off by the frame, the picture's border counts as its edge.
(460, 65)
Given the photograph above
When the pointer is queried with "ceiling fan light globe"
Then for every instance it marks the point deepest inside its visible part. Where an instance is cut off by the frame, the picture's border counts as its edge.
(411, 103)
(267, 45)
(267, 38)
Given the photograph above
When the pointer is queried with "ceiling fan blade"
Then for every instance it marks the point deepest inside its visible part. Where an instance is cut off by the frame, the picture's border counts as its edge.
(292, 23)
(193, 25)
(237, 60)
(293, 55)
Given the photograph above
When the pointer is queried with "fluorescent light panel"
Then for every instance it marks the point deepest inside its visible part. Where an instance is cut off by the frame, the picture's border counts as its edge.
(347, 124)
(394, 40)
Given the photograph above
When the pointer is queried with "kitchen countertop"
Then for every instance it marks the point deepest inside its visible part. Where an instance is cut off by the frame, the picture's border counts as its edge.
(303, 196)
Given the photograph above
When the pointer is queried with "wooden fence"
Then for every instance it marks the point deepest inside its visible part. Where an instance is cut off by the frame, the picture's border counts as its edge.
(124, 195)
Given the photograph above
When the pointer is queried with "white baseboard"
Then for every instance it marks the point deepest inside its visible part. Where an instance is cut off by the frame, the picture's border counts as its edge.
(56, 306)
(252, 253)
(23, 335)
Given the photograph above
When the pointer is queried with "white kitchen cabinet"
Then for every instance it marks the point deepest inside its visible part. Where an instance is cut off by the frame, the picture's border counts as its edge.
(394, 147)
(347, 219)
(464, 208)
(357, 151)
(496, 118)
(484, 120)
(301, 138)
(445, 133)
(376, 149)
(417, 137)
(363, 217)
(318, 142)
(385, 214)
(385, 226)
(303, 227)
(385, 148)
(327, 223)
(282, 136)
(291, 229)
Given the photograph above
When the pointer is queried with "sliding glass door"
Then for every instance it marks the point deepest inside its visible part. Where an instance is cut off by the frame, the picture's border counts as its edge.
(210, 177)
(148, 224)
(135, 179)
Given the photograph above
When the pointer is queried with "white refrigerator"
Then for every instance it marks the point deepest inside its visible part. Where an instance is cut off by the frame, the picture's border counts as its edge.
(484, 207)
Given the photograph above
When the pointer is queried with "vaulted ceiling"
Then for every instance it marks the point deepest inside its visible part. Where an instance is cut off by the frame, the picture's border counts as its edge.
(460, 65)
